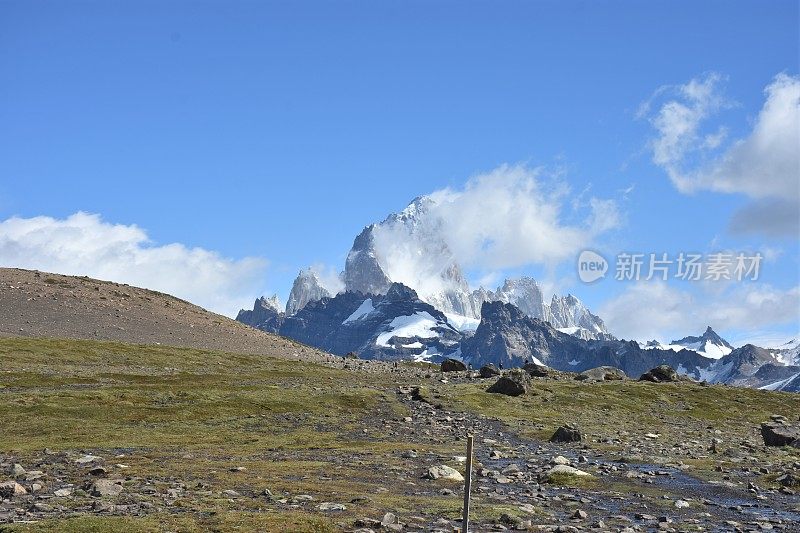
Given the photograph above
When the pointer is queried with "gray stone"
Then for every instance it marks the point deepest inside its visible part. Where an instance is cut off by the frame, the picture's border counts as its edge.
(106, 487)
(566, 470)
(660, 374)
(453, 365)
(780, 434)
(331, 507)
(488, 371)
(566, 433)
(514, 383)
(601, 373)
(443, 472)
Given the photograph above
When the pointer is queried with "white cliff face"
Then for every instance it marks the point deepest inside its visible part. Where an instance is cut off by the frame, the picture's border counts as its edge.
(568, 312)
(525, 294)
(307, 287)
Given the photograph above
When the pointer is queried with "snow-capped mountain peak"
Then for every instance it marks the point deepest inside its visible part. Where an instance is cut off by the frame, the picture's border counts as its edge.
(709, 344)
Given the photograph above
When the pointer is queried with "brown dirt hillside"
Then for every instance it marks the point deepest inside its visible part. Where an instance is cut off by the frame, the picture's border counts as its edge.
(40, 304)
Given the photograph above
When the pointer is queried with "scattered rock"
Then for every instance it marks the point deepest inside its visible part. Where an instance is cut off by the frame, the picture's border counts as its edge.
(488, 371)
(536, 371)
(780, 434)
(86, 459)
(328, 507)
(17, 470)
(788, 480)
(453, 365)
(390, 523)
(566, 433)
(514, 383)
(661, 374)
(601, 373)
(106, 487)
(443, 472)
(63, 493)
(565, 470)
(9, 489)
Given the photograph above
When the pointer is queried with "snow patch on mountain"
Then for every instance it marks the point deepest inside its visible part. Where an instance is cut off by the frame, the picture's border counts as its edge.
(462, 323)
(363, 310)
(421, 325)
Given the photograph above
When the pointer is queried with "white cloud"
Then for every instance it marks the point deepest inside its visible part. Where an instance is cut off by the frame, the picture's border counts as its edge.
(511, 217)
(648, 310)
(83, 244)
(764, 165)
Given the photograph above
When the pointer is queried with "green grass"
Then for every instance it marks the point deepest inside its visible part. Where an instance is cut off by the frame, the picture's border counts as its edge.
(277, 418)
(179, 415)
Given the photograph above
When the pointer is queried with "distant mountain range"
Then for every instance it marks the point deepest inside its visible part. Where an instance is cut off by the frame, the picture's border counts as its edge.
(405, 297)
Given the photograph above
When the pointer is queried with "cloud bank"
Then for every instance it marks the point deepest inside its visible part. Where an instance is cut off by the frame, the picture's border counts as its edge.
(84, 244)
(764, 165)
(649, 310)
(511, 217)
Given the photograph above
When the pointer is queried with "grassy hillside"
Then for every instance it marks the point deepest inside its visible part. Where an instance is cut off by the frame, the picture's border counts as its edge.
(183, 427)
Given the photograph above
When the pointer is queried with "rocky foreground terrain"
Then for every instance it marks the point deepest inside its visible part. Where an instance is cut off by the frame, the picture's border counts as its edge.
(104, 435)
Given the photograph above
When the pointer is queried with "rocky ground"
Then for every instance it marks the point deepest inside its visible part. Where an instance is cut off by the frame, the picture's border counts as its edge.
(107, 437)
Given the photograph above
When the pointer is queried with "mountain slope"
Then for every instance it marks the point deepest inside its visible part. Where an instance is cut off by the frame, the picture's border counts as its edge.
(38, 304)
(506, 335)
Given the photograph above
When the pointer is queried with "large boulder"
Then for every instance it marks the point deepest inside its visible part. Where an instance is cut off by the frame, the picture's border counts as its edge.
(601, 373)
(453, 365)
(514, 383)
(443, 472)
(566, 433)
(536, 371)
(780, 434)
(106, 487)
(488, 371)
(661, 374)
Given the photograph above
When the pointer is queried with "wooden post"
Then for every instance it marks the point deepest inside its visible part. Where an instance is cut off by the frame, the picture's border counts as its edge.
(467, 486)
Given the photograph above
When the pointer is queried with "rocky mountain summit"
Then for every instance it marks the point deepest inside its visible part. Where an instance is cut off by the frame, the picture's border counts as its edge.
(307, 287)
(408, 254)
(409, 248)
(709, 344)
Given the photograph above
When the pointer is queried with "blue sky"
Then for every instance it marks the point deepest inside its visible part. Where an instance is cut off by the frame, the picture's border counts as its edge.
(278, 130)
